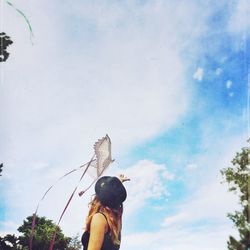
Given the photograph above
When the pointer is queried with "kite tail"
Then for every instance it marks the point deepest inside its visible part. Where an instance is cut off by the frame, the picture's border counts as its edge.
(68, 202)
(34, 215)
(32, 230)
(25, 18)
(53, 241)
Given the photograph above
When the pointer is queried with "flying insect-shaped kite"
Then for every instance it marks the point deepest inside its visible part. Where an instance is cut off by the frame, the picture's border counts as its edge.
(99, 162)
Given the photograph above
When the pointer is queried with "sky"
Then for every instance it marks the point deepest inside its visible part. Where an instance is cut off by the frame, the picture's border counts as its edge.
(168, 81)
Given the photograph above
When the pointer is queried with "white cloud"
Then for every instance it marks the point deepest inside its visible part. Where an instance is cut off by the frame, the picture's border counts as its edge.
(229, 84)
(238, 25)
(239, 20)
(218, 71)
(198, 75)
(191, 166)
(168, 176)
(188, 229)
(179, 238)
(9, 227)
(211, 202)
(148, 181)
(178, 218)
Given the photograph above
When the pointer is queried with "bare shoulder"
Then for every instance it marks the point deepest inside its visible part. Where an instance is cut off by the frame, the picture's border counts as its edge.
(98, 220)
(99, 217)
(98, 228)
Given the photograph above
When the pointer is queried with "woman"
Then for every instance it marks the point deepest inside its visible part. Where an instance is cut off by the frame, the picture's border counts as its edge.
(104, 221)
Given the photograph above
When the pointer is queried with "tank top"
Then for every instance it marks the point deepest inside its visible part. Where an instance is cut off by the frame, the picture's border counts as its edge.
(107, 241)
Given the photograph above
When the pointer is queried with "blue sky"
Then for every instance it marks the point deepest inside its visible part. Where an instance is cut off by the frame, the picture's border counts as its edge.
(167, 80)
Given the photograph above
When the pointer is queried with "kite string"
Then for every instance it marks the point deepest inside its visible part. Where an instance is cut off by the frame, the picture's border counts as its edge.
(85, 190)
(68, 202)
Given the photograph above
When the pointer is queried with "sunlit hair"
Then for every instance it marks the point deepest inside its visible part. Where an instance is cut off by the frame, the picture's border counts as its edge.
(114, 218)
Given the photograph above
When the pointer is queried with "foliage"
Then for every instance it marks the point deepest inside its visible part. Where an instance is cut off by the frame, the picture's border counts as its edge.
(5, 41)
(9, 241)
(43, 234)
(1, 168)
(44, 230)
(238, 179)
(75, 243)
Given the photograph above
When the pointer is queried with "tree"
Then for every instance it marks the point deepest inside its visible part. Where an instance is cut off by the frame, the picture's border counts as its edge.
(75, 243)
(238, 179)
(1, 168)
(43, 234)
(5, 41)
(9, 242)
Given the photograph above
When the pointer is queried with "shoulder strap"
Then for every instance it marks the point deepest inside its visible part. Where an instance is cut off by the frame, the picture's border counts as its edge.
(103, 215)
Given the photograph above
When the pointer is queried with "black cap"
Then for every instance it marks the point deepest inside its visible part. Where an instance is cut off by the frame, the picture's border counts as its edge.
(110, 191)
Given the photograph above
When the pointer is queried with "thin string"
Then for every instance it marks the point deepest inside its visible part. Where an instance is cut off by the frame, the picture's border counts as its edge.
(85, 190)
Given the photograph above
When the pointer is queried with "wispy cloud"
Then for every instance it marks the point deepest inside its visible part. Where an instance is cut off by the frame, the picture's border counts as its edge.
(179, 238)
(218, 71)
(229, 84)
(8, 226)
(148, 181)
(239, 22)
(211, 203)
(192, 166)
(198, 75)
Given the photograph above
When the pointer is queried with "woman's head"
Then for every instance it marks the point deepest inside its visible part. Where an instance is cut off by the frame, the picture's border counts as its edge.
(110, 191)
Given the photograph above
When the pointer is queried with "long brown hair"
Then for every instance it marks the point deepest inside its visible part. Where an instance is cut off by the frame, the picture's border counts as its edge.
(114, 218)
